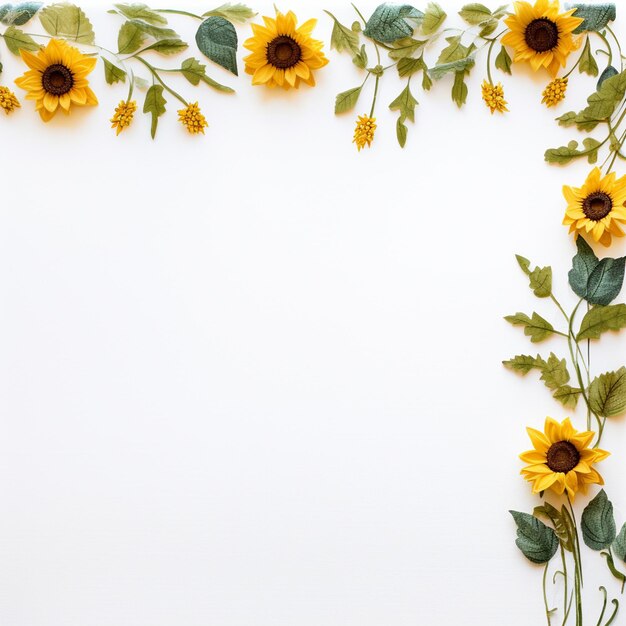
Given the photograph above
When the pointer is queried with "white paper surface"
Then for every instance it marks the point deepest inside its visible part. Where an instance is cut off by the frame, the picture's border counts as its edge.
(254, 378)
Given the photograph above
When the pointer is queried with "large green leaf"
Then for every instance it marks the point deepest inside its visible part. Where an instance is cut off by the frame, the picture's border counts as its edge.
(112, 73)
(346, 100)
(67, 21)
(602, 103)
(537, 328)
(232, 12)
(597, 522)
(17, 40)
(571, 151)
(607, 393)
(343, 38)
(524, 363)
(503, 61)
(595, 16)
(405, 103)
(583, 264)
(601, 319)
(194, 72)
(389, 22)
(130, 38)
(18, 14)
(155, 105)
(560, 520)
(537, 541)
(475, 13)
(587, 63)
(433, 18)
(619, 545)
(606, 281)
(554, 372)
(217, 40)
(141, 12)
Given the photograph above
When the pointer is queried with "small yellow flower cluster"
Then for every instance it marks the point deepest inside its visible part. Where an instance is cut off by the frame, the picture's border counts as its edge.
(124, 113)
(8, 101)
(364, 131)
(493, 95)
(192, 119)
(554, 92)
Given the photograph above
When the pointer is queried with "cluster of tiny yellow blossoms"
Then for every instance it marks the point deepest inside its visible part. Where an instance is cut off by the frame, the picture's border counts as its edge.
(124, 113)
(8, 101)
(493, 95)
(554, 92)
(192, 118)
(364, 131)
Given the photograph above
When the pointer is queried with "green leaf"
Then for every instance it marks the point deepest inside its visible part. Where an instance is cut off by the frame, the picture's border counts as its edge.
(404, 48)
(554, 373)
(17, 40)
(427, 83)
(619, 545)
(346, 100)
(389, 22)
(475, 13)
(488, 28)
(567, 396)
(537, 328)
(401, 132)
(434, 17)
(217, 39)
(600, 319)
(605, 281)
(597, 522)
(112, 73)
(541, 281)
(342, 37)
(141, 12)
(595, 16)
(67, 21)
(537, 541)
(503, 60)
(168, 46)
(587, 63)
(130, 38)
(408, 67)
(405, 103)
(583, 264)
(562, 528)
(524, 363)
(459, 89)
(360, 59)
(233, 12)
(438, 71)
(565, 154)
(607, 393)
(18, 14)
(454, 51)
(602, 103)
(155, 105)
(567, 119)
(194, 72)
(607, 73)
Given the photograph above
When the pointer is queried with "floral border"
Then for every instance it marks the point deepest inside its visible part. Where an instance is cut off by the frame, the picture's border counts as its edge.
(62, 51)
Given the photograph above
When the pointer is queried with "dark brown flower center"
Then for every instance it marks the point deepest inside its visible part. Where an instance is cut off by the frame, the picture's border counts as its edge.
(283, 52)
(542, 35)
(57, 79)
(597, 205)
(562, 456)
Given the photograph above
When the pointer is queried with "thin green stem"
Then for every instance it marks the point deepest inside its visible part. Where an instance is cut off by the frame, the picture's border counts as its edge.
(177, 12)
(489, 61)
(616, 605)
(619, 46)
(608, 47)
(375, 95)
(604, 601)
(158, 78)
(359, 14)
(566, 608)
(545, 595)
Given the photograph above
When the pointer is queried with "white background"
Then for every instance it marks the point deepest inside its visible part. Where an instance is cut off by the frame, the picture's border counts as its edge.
(254, 378)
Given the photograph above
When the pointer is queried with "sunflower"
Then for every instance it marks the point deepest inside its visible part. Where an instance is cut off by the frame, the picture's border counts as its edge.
(57, 78)
(283, 55)
(562, 459)
(597, 207)
(541, 35)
